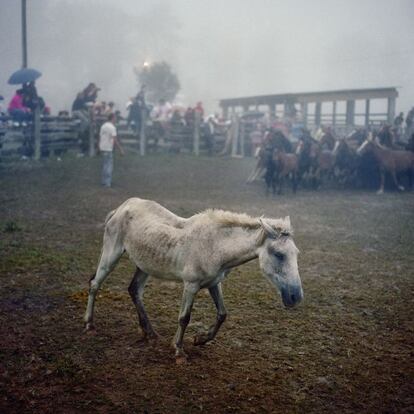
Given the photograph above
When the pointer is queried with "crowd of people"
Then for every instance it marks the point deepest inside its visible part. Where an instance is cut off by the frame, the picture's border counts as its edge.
(163, 116)
(103, 117)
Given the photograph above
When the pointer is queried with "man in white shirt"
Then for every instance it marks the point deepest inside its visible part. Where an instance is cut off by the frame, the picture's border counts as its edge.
(107, 140)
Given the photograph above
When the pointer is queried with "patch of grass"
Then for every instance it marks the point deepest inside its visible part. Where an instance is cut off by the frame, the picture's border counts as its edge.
(11, 227)
(31, 257)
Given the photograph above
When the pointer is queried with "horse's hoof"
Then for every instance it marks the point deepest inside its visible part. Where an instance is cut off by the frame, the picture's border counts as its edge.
(181, 360)
(200, 339)
(153, 336)
(180, 357)
(380, 192)
(89, 329)
(401, 188)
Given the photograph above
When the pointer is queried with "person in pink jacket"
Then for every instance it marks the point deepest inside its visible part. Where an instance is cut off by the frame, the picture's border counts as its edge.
(16, 108)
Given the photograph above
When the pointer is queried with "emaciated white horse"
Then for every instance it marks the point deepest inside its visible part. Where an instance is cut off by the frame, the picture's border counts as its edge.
(200, 251)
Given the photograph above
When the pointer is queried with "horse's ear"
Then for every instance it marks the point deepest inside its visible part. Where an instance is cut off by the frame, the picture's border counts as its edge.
(268, 229)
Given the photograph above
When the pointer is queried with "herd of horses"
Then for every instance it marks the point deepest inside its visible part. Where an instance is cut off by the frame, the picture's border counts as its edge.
(361, 159)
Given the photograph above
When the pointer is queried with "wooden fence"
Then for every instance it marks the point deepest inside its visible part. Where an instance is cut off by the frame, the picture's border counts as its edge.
(57, 135)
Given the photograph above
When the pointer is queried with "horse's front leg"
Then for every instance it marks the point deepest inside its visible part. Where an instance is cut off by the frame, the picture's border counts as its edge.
(281, 183)
(394, 177)
(381, 189)
(217, 295)
(189, 292)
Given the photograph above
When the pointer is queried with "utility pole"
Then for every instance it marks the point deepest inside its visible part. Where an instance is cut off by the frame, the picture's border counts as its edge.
(24, 34)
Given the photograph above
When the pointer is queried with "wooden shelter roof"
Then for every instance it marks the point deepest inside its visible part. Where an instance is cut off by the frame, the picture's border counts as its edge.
(325, 96)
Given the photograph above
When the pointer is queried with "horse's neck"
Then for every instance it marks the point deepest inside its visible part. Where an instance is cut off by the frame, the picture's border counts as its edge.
(237, 246)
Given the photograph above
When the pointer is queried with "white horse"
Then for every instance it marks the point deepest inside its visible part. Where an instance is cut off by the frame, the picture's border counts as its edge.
(200, 251)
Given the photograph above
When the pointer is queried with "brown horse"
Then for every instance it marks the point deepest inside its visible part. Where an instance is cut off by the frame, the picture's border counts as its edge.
(286, 165)
(327, 141)
(388, 160)
(325, 165)
(307, 152)
(346, 161)
(273, 139)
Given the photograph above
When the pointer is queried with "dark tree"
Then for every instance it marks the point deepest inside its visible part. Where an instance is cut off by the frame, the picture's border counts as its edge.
(161, 82)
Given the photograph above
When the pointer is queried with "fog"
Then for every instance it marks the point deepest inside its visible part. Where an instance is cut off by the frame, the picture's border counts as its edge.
(218, 49)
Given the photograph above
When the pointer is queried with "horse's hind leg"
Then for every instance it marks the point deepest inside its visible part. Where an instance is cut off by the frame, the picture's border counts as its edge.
(111, 252)
(136, 290)
(217, 295)
(394, 177)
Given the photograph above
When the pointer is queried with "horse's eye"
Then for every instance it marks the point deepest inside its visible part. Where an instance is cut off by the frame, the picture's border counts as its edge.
(280, 256)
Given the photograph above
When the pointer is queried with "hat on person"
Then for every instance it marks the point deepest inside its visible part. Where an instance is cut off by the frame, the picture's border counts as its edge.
(93, 85)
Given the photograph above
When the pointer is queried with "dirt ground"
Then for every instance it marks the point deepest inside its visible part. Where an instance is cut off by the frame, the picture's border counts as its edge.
(347, 348)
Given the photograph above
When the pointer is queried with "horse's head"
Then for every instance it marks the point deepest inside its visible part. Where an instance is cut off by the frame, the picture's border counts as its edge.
(339, 143)
(278, 257)
(367, 145)
(299, 147)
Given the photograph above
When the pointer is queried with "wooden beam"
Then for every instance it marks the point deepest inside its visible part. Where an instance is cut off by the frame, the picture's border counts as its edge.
(91, 133)
(350, 113)
(391, 110)
(225, 112)
(318, 111)
(367, 108)
(142, 133)
(196, 136)
(326, 96)
(37, 135)
(235, 133)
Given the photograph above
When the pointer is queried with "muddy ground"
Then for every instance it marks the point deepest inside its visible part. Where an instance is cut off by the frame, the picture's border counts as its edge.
(348, 348)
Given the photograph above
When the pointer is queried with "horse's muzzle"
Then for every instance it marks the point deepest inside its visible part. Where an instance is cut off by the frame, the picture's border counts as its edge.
(291, 295)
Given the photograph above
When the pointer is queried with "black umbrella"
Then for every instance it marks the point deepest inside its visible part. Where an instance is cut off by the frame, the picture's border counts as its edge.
(24, 75)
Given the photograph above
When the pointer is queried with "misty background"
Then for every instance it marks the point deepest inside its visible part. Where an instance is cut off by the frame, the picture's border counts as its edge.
(218, 49)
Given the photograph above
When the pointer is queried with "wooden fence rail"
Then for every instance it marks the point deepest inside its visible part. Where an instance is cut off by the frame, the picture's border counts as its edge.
(57, 135)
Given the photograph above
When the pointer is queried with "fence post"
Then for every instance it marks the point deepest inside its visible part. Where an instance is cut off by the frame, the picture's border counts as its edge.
(142, 136)
(242, 137)
(197, 121)
(235, 140)
(91, 133)
(37, 134)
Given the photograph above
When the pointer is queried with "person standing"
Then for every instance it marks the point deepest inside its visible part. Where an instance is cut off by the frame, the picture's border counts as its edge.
(107, 139)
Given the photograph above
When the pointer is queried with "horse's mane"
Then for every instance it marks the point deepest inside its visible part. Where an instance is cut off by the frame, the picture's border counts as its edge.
(231, 219)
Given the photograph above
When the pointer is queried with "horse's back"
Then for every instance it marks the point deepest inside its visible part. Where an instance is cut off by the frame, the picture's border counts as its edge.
(401, 159)
(137, 210)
